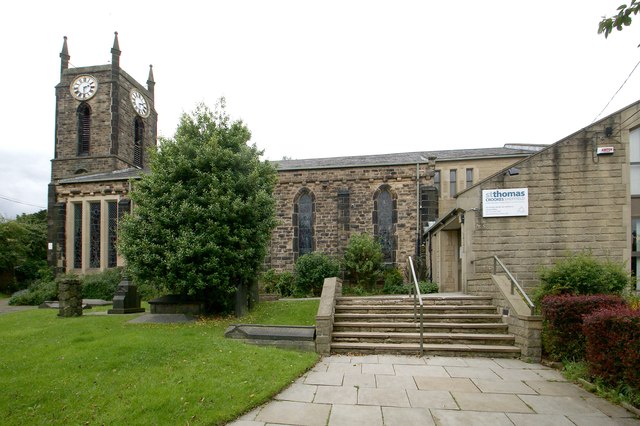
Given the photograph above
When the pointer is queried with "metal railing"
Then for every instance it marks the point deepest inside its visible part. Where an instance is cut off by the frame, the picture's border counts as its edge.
(514, 283)
(417, 297)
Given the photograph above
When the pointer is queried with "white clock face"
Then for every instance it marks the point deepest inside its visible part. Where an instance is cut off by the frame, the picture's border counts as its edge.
(139, 103)
(84, 87)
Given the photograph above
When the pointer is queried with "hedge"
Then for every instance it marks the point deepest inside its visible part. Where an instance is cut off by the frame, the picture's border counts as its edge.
(562, 336)
(613, 345)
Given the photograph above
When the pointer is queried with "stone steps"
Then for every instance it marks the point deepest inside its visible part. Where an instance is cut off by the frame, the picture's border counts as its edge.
(453, 325)
(428, 327)
(427, 317)
(429, 299)
(453, 350)
(403, 308)
(429, 337)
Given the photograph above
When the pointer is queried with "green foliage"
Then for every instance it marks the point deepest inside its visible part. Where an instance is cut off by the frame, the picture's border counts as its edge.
(38, 292)
(23, 250)
(310, 272)
(582, 273)
(204, 213)
(286, 284)
(101, 285)
(427, 287)
(279, 283)
(620, 20)
(363, 260)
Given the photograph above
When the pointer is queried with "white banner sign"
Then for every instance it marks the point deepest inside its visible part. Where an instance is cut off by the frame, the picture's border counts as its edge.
(505, 202)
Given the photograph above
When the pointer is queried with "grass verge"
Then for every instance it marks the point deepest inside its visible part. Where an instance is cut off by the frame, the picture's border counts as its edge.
(577, 371)
(101, 370)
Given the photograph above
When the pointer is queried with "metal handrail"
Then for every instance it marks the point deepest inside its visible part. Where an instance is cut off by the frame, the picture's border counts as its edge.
(514, 282)
(417, 297)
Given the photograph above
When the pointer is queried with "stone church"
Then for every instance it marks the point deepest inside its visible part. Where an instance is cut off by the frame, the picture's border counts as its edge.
(106, 123)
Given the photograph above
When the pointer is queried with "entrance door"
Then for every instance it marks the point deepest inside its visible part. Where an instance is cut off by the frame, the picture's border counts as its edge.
(451, 267)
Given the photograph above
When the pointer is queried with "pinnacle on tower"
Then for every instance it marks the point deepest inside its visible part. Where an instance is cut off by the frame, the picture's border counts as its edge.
(150, 81)
(64, 56)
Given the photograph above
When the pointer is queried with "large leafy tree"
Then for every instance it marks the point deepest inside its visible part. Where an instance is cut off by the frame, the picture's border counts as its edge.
(23, 250)
(620, 20)
(204, 214)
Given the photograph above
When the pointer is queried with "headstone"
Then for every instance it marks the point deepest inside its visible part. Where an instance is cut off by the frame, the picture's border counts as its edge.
(70, 296)
(126, 299)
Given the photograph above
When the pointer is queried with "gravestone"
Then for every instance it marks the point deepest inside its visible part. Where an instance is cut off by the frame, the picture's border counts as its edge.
(70, 296)
(126, 299)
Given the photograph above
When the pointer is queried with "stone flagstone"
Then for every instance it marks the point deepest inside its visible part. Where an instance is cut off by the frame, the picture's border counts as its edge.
(390, 390)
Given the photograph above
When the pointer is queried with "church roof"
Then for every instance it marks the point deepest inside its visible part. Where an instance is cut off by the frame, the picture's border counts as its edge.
(406, 158)
(124, 174)
(518, 151)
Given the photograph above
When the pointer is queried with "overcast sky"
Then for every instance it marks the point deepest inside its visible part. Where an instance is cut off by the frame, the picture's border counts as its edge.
(323, 79)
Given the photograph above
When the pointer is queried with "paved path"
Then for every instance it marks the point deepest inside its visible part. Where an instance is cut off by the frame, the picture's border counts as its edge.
(5, 307)
(396, 390)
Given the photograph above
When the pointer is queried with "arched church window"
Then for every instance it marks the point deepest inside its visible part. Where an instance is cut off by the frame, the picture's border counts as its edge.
(384, 220)
(84, 128)
(303, 223)
(138, 131)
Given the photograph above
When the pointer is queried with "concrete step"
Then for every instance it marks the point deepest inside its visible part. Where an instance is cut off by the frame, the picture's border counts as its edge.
(428, 337)
(428, 309)
(427, 317)
(428, 327)
(456, 350)
(428, 299)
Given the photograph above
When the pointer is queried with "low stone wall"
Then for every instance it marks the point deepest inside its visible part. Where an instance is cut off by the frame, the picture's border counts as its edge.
(331, 289)
(526, 328)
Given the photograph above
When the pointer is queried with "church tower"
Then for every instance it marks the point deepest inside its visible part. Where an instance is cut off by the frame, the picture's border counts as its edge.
(105, 129)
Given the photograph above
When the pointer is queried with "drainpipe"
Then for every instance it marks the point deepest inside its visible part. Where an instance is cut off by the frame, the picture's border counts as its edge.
(418, 211)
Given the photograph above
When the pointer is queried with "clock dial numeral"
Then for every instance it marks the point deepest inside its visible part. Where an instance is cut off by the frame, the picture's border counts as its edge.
(84, 87)
(139, 103)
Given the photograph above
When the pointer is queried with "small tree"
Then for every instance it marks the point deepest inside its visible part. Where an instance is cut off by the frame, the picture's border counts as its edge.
(204, 214)
(363, 260)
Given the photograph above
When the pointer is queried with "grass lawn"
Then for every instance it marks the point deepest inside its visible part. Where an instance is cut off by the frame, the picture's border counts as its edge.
(101, 370)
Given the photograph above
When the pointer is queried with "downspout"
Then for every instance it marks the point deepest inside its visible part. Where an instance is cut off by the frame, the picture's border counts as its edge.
(418, 235)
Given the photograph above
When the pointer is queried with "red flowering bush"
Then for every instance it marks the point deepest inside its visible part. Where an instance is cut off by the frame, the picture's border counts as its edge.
(562, 336)
(613, 345)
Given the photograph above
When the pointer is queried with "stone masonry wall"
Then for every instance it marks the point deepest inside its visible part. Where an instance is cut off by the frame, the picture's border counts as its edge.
(361, 183)
(577, 201)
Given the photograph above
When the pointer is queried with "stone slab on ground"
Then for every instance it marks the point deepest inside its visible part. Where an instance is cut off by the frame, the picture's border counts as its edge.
(284, 336)
(162, 319)
(86, 303)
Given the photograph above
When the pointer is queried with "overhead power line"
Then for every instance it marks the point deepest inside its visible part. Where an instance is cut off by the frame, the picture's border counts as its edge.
(13, 200)
(617, 91)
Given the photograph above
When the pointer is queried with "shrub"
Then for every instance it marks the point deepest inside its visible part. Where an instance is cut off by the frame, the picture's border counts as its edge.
(38, 292)
(613, 345)
(101, 285)
(582, 273)
(363, 260)
(562, 336)
(427, 287)
(393, 282)
(286, 284)
(269, 279)
(310, 272)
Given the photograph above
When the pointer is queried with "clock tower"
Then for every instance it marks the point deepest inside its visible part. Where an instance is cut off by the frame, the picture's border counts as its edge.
(105, 129)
